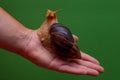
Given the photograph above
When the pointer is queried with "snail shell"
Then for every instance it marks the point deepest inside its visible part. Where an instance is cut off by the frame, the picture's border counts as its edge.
(63, 42)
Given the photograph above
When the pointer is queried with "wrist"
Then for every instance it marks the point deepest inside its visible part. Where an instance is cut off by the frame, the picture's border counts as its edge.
(15, 41)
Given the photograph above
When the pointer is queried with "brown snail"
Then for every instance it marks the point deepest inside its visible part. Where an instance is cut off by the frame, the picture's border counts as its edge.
(57, 38)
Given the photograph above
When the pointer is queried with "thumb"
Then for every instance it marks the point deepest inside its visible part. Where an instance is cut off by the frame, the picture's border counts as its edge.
(75, 38)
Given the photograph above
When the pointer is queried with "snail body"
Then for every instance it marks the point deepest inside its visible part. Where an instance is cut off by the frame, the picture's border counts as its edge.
(57, 38)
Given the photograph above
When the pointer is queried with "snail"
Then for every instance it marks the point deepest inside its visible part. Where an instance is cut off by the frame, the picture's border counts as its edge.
(57, 38)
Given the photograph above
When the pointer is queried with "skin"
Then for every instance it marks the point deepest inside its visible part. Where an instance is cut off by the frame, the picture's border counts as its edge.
(25, 42)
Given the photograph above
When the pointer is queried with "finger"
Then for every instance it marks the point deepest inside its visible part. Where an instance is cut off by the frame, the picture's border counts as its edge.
(72, 70)
(89, 58)
(75, 38)
(79, 70)
(90, 71)
(91, 65)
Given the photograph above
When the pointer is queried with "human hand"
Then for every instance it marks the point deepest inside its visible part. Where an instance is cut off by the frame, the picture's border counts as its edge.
(35, 52)
(17, 38)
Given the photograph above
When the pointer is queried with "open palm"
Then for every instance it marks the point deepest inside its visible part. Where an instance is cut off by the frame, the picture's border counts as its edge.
(36, 53)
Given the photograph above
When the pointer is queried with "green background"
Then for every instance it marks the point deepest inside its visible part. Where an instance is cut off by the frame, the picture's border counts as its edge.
(95, 22)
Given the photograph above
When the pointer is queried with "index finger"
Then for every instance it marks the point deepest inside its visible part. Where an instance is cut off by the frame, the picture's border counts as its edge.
(87, 57)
